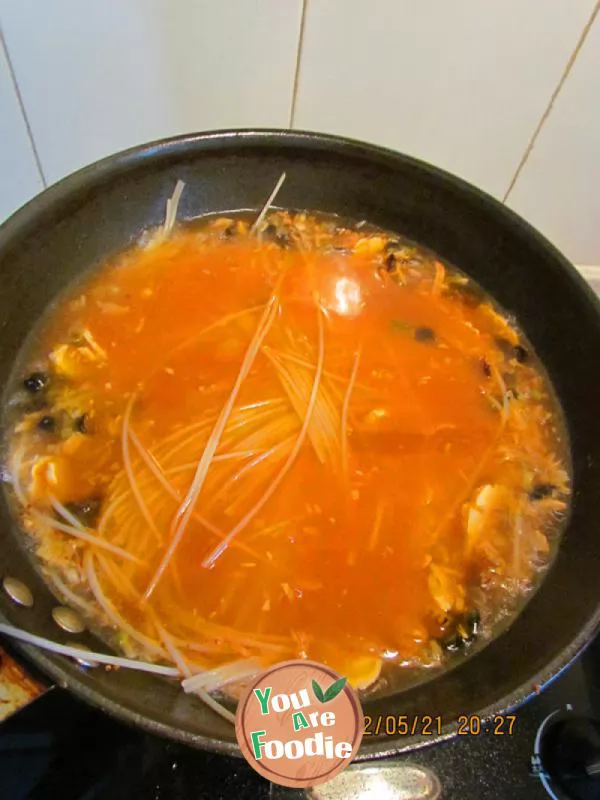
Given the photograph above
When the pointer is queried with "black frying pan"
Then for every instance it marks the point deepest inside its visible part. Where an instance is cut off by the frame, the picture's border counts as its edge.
(102, 209)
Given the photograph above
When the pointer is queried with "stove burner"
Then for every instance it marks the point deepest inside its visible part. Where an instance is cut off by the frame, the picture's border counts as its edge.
(566, 756)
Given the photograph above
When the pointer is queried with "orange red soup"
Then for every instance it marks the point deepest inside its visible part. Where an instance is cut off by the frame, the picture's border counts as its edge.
(310, 440)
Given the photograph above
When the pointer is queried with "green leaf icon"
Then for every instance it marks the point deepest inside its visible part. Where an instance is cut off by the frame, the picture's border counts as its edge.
(318, 692)
(334, 690)
(331, 693)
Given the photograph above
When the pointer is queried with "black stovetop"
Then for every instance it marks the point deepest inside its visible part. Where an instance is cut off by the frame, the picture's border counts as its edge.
(60, 748)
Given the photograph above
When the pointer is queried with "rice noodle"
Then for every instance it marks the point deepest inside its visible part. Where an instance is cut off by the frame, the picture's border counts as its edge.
(171, 210)
(345, 408)
(230, 456)
(215, 706)
(87, 655)
(160, 476)
(225, 320)
(107, 513)
(324, 428)
(65, 513)
(239, 424)
(235, 424)
(122, 584)
(177, 657)
(210, 560)
(82, 533)
(302, 362)
(129, 469)
(113, 615)
(238, 419)
(187, 668)
(221, 676)
(71, 596)
(250, 466)
(283, 425)
(268, 204)
(183, 665)
(298, 402)
(187, 507)
(192, 435)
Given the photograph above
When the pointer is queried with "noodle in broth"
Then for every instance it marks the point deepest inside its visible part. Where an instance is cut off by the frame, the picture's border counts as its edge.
(237, 444)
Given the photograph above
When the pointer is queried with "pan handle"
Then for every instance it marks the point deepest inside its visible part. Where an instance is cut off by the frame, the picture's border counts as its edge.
(17, 687)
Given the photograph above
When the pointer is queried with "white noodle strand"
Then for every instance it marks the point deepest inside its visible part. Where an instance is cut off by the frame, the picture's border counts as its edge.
(65, 513)
(86, 655)
(209, 561)
(187, 507)
(81, 533)
(268, 204)
(183, 665)
(135, 489)
(211, 680)
(345, 408)
(171, 211)
(117, 620)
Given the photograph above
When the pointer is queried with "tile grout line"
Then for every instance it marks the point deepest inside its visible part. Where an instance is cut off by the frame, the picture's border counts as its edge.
(13, 77)
(554, 96)
(296, 83)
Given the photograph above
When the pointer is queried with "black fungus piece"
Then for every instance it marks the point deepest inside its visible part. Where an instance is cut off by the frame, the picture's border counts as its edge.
(80, 424)
(86, 511)
(464, 630)
(390, 262)
(278, 237)
(487, 370)
(512, 393)
(520, 353)
(453, 643)
(542, 490)
(230, 231)
(469, 626)
(36, 382)
(424, 334)
(47, 424)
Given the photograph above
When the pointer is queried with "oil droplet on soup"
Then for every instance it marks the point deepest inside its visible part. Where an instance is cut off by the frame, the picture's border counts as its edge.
(316, 440)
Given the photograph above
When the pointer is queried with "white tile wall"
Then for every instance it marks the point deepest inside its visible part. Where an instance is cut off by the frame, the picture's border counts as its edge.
(559, 188)
(100, 76)
(19, 176)
(461, 84)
